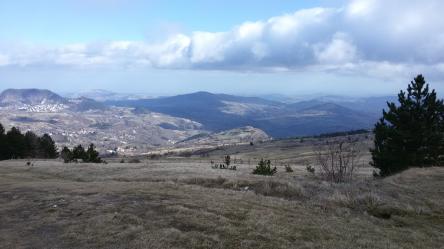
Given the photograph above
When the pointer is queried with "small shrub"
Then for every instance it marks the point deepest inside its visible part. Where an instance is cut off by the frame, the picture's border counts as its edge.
(288, 169)
(227, 160)
(122, 161)
(338, 159)
(367, 201)
(264, 168)
(154, 156)
(310, 169)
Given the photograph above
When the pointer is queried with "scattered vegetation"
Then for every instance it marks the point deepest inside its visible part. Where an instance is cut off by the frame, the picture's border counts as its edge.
(343, 133)
(227, 160)
(154, 156)
(222, 166)
(264, 168)
(337, 160)
(310, 169)
(288, 168)
(14, 145)
(410, 134)
(79, 153)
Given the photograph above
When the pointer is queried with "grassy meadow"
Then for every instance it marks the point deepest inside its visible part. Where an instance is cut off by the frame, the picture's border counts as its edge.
(182, 202)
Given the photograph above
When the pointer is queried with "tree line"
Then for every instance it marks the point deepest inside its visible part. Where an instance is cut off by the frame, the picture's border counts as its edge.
(15, 145)
(79, 153)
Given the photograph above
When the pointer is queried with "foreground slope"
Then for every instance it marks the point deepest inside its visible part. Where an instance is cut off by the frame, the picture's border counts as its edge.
(187, 204)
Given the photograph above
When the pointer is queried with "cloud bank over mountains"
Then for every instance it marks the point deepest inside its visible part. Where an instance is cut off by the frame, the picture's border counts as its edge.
(370, 37)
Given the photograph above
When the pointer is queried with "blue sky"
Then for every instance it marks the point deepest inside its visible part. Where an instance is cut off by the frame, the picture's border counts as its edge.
(355, 47)
(55, 21)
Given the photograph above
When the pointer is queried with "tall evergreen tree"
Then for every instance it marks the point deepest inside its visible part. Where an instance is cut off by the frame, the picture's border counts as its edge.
(15, 144)
(411, 133)
(92, 155)
(32, 145)
(79, 152)
(3, 149)
(66, 155)
(48, 149)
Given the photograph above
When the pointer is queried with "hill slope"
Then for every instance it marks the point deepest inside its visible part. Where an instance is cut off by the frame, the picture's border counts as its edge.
(219, 112)
(30, 97)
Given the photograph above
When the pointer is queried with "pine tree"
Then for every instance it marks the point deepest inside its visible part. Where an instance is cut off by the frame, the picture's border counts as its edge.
(264, 168)
(78, 152)
(92, 155)
(66, 155)
(3, 149)
(32, 144)
(410, 134)
(15, 144)
(48, 149)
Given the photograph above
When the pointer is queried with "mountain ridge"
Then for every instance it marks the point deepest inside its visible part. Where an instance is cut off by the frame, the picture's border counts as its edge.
(218, 112)
(31, 96)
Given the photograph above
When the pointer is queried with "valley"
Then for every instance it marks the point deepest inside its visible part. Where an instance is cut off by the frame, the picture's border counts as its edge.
(120, 124)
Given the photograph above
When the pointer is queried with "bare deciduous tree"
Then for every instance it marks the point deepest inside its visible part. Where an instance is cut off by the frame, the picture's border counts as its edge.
(338, 159)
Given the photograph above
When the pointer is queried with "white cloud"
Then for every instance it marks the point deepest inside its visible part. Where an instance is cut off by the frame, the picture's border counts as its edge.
(363, 37)
(339, 50)
(361, 7)
(4, 60)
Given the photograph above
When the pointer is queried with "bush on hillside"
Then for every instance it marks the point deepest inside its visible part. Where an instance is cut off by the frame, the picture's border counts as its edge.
(288, 168)
(227, 160)
(337, 159)
(264, 168)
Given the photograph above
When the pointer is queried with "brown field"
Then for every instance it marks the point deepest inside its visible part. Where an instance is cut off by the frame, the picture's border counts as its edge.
(184, 203)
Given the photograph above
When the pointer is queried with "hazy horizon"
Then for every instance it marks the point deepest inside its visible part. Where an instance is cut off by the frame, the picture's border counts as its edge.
(271, 95)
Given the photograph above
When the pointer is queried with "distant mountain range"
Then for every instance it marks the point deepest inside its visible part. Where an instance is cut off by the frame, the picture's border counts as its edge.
(30, 97)
(46, 100)
(176, 118)
(123, 130)
(218, 112)
(104, 95)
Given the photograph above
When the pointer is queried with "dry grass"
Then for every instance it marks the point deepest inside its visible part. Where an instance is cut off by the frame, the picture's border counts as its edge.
(190, 205)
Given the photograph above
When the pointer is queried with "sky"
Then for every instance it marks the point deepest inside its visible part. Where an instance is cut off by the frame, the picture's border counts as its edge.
(340, 47)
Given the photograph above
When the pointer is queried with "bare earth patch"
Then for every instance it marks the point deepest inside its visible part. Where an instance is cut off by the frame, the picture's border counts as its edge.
(189, 205)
